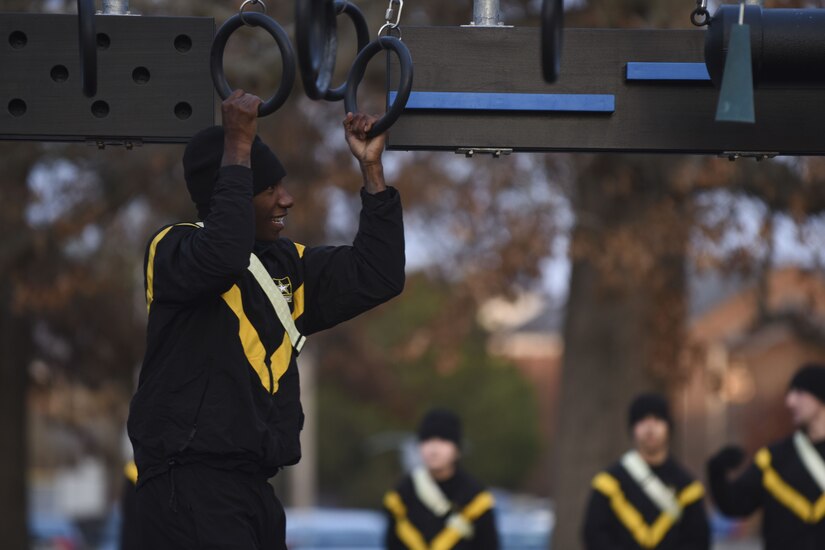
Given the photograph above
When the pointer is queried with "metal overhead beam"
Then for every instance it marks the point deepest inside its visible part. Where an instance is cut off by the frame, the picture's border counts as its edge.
(663, 98)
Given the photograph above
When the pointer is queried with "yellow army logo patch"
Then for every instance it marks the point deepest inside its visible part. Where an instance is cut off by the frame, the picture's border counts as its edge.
(285, 286)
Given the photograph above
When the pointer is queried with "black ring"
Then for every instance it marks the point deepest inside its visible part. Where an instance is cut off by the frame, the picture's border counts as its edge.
(356, 74)
(88, 46)
(317, 42)
(362, 33)
(255, 19)
(552, 22)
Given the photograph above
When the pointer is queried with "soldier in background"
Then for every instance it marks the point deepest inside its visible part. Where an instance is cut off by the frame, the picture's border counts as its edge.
(646, 499)
(787, 479)
(439, 505)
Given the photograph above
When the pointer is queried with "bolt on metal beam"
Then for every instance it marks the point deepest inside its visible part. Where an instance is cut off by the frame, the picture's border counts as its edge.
(486, 13)
(115, 7)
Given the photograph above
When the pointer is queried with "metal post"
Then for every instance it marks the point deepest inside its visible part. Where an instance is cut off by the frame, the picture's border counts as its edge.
(302, 479)
(115, 7)
(486, 13)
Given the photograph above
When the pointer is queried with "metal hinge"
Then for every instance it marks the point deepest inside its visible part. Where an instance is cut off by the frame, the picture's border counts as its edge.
(470, 152)
(101, 143)
(758, 155)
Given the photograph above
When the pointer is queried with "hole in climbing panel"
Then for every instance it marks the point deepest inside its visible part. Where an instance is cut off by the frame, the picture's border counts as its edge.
(141, 75)
(183, 110)
(17, 107)
(100, 109)
(18, 40)
(103, 41)
(183, 43)
(59, 73)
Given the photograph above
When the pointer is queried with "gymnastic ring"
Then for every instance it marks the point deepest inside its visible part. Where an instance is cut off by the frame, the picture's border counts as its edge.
(254, 19)
(356, 74)
(316, 40)
(88, 46)
(362, 34)
(552, 21)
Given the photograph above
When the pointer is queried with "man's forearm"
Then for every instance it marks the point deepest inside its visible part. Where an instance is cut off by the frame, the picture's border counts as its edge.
(236, 152)
(373, 174)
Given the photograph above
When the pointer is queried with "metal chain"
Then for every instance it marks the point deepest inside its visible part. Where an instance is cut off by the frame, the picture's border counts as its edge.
(250, 3)
(388, 16)
(700, 16)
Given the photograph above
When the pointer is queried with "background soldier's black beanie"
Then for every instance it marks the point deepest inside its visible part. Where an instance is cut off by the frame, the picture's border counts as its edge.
(440, 423)
(649, 404)
(810, 378)
(202, 160)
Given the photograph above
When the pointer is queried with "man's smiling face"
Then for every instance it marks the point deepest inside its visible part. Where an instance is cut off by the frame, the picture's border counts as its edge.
(271, 206)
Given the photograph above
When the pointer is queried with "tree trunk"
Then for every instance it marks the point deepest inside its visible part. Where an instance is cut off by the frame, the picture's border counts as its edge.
(625, 317)
(15, 344)
(13, 376)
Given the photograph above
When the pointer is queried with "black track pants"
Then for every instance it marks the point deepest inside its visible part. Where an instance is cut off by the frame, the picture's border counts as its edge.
(195, 507)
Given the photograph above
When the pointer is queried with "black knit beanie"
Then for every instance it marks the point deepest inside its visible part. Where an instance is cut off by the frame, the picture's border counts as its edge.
(649, 404)
(440, 423)
(810, 378)
(202, 160)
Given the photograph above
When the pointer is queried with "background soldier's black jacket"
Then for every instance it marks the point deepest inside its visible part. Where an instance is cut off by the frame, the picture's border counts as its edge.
(603, 530)
(461, 490)
(782, 528)
(219, 382)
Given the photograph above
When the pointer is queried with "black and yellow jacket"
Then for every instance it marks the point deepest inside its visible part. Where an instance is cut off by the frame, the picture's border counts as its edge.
(793, 505)
(219, 381)
(412, 525)
(620, 516)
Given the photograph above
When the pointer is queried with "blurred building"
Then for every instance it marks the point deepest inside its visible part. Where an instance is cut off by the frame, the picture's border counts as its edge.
(744, 346)
(528, 332)
(740, 352)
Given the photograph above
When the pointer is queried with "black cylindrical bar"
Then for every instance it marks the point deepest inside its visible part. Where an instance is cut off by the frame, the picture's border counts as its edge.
(787, 45)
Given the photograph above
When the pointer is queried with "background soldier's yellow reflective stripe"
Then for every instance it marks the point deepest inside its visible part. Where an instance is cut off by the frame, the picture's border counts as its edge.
(449, 537)
(481, 503)
(393, 503)
(819, 510)
(659, 529)
(627, 514)
(691, 494)
(446, 539)
(150, 267)
(646, 536)
(406, 532)
(787, 495)
(409, 535)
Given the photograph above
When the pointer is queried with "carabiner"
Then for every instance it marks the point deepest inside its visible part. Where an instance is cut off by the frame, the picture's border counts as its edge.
(388, 15)
(252, 3)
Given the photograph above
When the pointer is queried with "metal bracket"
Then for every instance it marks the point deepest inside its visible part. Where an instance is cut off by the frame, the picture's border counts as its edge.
(102, 143)
(470, 152)
(758, 155)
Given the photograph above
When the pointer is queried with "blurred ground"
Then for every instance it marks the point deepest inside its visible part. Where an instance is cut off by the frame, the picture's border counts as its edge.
(752, 544)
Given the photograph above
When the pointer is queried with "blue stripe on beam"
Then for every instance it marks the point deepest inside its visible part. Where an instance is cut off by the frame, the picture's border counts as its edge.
(667, 71)
(465, 101)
